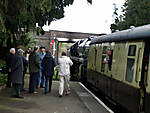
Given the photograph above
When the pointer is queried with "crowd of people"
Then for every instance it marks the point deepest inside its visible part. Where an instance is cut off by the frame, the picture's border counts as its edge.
(41, 65)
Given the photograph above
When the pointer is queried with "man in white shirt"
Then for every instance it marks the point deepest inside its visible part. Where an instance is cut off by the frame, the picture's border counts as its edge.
(64, 73)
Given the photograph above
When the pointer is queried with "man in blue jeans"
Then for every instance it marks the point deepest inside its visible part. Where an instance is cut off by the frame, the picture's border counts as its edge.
(48, 64)
(41, 76)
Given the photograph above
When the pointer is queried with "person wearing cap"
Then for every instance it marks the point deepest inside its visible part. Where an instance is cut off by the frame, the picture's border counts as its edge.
(25, 64)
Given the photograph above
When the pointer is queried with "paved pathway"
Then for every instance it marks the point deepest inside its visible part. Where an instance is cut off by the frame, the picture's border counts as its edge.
(78, 101)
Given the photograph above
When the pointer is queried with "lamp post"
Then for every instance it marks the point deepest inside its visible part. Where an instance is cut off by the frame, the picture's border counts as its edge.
(54, 46)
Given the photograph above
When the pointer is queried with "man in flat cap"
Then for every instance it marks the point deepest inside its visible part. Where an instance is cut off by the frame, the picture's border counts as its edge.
(25, 64)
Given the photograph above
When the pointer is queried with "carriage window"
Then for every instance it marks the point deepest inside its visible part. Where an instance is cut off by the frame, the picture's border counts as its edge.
(103, 65)
(103, 57)
(132, 50)
(130, 69)
(95, 56)
(104, 49)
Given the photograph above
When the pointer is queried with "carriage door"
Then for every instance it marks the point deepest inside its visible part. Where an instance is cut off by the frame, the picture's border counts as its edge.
(133, 72)
(134, 63)
(145, 79)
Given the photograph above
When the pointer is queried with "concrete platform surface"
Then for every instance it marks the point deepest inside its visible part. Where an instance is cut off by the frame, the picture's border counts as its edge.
(79, 101)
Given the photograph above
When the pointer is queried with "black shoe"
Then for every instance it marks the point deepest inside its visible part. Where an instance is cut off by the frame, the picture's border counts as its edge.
(42, 87)
(67, 93)
(60, 96)
(45, 92)
(20, 96)
(16, 96)
(8, 86)
(13, 96)
(23, 90)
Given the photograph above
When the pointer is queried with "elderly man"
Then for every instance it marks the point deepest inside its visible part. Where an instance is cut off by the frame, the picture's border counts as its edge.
(9, 64)
(16, 73)
(25, 64)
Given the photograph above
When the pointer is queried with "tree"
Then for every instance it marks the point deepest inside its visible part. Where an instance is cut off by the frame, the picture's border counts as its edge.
(113, 26)
(135, 13)
(18, 17)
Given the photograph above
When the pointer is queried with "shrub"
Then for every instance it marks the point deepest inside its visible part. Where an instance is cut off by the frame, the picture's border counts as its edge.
(3, 77)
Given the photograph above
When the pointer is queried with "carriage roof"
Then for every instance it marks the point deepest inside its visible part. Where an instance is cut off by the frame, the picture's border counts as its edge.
(135, 33)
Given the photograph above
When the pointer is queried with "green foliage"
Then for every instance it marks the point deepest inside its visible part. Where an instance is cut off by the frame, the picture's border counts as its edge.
(3, 77)
(27, 40)
(18, 20)
(33, 40)
(135, 13)
(16, 15)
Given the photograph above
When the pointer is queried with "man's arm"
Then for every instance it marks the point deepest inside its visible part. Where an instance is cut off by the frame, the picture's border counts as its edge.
(70, 62)
(54, 62)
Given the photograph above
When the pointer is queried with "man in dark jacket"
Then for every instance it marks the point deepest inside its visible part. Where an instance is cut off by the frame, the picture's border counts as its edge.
(34, 69)
(16, 72)
(48, 64)
(9, 65)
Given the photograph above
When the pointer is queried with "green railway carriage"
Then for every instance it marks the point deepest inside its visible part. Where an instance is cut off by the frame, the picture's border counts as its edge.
(126, 79)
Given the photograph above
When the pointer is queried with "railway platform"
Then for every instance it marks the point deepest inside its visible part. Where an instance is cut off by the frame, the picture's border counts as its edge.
(81, 100)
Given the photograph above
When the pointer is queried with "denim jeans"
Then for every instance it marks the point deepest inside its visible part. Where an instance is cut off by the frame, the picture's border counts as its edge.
(48, 79)
(40, 78)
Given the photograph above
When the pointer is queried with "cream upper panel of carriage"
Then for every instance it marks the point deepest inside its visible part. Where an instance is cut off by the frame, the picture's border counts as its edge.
(119, 61)
(98, 57)
(120, 58)
(148, 78)
(127, 62)
(91, 58)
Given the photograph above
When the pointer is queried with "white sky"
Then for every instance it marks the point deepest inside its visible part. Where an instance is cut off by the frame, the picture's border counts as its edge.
(83, 17)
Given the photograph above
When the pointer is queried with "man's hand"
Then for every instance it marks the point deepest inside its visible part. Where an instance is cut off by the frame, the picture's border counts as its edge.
(9, 70)
(105, 61)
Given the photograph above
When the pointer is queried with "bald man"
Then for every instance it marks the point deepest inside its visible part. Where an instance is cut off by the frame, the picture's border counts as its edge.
(9, 63)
